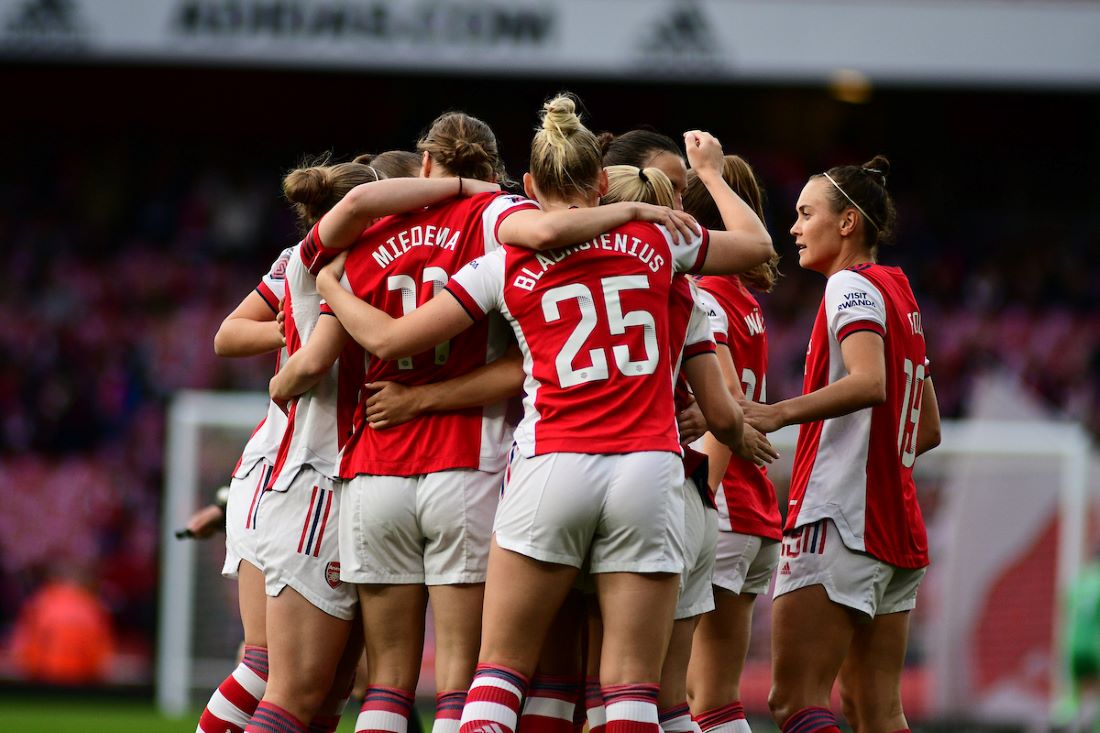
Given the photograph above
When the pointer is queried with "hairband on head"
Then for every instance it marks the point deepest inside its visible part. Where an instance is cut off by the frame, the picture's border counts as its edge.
(377, 175)
(643, 176)
(852, 201)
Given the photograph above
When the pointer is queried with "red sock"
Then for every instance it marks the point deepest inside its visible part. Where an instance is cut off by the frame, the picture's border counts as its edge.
(549, 704)
(812, 720)
(384, 709)
(494, 700)
(903, 730)
(448, 711)
(677, 719)
(721, 720)
(233, 703)
(631, 708)
(593, 705)
(270, 718)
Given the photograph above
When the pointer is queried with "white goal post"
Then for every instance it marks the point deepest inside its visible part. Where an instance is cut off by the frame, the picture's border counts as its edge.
(192, 412)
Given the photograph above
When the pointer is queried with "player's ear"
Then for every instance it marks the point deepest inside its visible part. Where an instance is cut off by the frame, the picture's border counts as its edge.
(847, 222)
(601, 183)
(529, 187)
(426, 165)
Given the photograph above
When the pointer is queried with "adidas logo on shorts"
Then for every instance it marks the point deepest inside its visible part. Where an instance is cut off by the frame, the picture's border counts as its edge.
(786, 569)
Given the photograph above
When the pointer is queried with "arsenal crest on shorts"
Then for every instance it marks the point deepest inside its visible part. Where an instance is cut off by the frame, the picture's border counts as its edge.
(332, 574)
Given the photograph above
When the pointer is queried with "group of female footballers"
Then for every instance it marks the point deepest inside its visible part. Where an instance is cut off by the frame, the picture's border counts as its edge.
(545, 414)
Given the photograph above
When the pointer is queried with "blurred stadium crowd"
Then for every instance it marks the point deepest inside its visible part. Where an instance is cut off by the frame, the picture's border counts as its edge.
(121, 260)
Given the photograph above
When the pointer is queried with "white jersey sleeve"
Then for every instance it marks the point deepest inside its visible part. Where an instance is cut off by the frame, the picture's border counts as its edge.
(479, 286)
(699, 330)
(500, 209)
(272, 287)
(853, 303)
(719, 320)
(688, 256)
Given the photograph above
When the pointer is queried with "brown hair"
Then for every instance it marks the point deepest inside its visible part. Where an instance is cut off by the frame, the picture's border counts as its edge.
(739, 175)
(636, 147)
(315, 187)
(565, 155)
(465, 146)
(863, 188)
(392, 163)
(630, 183)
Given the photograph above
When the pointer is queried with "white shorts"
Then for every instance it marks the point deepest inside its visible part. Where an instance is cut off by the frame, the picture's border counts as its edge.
(744, 563)
(700, 536)
(299, 543)
(241, 512)
(433, 528)
(625, 512)
(815, 555)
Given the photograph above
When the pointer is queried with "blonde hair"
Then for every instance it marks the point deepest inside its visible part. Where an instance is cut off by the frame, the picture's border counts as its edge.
(630, 183)
(565, 155)
(317, 186)
(739, 175)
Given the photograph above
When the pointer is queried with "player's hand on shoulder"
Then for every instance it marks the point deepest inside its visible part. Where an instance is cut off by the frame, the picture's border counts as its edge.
(704, 152)
(681, 225)
(756, 447)
(392, 404)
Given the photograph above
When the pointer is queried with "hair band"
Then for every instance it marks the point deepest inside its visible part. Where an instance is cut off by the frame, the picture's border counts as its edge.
(377, 175)
(852, 202)
(643, 176)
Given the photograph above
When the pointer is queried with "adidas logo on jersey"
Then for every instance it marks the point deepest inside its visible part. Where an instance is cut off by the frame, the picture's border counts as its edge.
(786, 569)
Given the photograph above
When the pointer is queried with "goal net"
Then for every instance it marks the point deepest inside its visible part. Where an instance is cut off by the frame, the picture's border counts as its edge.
(1008, 515)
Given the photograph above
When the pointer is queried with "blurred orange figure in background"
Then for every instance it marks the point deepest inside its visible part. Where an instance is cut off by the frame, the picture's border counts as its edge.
(63, 635)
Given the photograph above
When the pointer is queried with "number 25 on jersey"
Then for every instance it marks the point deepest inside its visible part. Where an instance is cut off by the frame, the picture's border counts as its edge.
(617, 323)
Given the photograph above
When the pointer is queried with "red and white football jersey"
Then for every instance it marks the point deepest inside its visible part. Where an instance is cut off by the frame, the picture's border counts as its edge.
(746, 502)
(858, 469)
(690, 335)
(402, 262)
(263, 444)
(592, 321)
(320, 419)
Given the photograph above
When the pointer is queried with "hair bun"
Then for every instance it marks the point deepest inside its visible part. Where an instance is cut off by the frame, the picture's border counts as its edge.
(308, 186)
(879, 166)
(466, 151)
(605, 139)
(560, 116)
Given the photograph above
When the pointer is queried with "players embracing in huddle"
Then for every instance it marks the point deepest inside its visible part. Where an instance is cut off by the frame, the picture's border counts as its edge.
(391, 471)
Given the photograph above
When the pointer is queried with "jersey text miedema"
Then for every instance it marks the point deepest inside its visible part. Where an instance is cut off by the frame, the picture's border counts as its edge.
(263, 444)
(746, 501)
(398, 264)
(592, 323)
(858, 469)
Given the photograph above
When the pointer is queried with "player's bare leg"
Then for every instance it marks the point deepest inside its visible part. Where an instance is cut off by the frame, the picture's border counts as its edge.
(253, 602)
(522, 596)
(810, 638)
(456, 610)
(637, 611)
(332, 708)
(870, 679)
(305, 646)
(673, 690)
(393, 632)
(718, 654)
